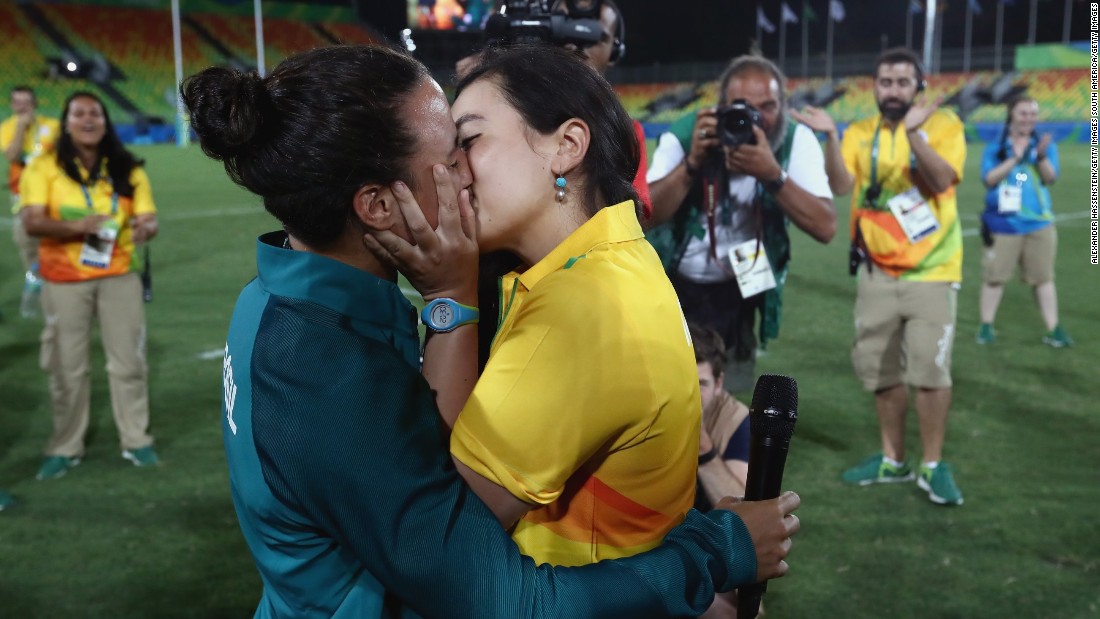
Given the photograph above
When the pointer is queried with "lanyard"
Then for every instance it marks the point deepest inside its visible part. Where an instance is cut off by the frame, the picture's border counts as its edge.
(1029, 176)
(91, 207)
(874, 156)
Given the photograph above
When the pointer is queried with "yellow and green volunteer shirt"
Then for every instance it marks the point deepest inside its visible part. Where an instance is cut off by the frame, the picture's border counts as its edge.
(46, 184)
(40, 138)
(589, 405)
(936, 257)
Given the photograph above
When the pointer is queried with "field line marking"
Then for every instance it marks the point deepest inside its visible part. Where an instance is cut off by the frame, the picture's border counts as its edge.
(1057, 219)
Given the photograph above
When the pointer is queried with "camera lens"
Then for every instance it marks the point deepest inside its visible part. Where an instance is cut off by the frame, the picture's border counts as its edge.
(735, 123)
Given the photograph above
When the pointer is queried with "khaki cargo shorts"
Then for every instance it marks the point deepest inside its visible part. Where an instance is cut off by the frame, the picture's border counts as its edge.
(1034, 252)
(904, 332)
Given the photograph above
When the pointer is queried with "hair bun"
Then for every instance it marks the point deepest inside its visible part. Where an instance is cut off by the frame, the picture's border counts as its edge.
(226, 108)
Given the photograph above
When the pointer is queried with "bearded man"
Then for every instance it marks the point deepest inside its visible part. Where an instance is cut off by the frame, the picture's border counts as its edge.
(903, 165)
(724, 183)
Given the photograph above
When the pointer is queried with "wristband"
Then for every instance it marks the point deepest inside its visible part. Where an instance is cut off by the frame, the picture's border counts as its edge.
(710, 455)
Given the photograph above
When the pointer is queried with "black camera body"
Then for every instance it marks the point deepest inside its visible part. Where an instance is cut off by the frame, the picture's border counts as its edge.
(735, 123)
(531, 21)
(856, 257)
(870, 197)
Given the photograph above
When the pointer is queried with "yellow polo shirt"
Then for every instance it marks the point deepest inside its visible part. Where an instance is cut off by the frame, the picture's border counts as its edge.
(46, 184)
(39, 138)
(938, 256)
(589, 405)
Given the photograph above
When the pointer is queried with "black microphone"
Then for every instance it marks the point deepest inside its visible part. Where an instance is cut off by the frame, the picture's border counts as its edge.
(772, 416)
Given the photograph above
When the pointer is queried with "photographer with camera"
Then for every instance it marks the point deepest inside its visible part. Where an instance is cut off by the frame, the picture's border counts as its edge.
(726, 181)
(903, 164)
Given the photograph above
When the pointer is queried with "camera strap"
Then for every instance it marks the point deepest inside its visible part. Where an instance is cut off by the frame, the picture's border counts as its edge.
(874, 154)
(711, 184)
(758, 217)
(710, 207)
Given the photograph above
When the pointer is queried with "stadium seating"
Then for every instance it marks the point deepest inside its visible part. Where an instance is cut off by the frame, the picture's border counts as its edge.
(351, 34)
(1062, 96)
(143, 54)
(137, 42)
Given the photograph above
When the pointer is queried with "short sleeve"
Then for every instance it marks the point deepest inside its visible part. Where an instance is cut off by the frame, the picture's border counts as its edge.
(948, 139)
(849, 150)
(7, 132)
(807, 164)
(539, 412)
(666, 157)
(143, 192)
(34, 184)
(670, 147)
(990, 158)
(1052, 155)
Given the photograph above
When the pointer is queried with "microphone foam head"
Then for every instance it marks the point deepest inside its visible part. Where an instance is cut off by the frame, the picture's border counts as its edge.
(774, 409)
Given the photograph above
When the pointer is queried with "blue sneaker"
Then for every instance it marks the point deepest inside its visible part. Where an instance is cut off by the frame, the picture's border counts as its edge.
(876, 470)
(55, 466)
(6, 500)
(939, 483)
(986, 335)
(145, 456)
(1057, 338)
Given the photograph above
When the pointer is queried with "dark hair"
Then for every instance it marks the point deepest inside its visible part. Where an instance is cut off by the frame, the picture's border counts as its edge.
(900, 55)
(547, 86)
(26, 89)
(308, 136)
(709, 347)
(751, 63)
(1010, 106)
(120, 162)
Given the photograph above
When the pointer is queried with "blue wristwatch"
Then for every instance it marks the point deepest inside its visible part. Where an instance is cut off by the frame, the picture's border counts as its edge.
(444, 315)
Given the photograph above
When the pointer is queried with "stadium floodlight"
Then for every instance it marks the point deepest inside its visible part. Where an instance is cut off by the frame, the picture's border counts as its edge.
(67, 67)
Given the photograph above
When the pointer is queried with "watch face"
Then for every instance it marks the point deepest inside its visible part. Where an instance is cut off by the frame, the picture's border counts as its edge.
(442, 315)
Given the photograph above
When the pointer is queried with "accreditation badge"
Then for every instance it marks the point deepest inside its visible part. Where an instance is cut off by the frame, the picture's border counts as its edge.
(1009, 198)
(1010, 195)
(913, 214)
(750, 264)
(97, 249)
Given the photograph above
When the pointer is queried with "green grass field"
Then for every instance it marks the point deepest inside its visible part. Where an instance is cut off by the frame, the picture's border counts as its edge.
(113, 541)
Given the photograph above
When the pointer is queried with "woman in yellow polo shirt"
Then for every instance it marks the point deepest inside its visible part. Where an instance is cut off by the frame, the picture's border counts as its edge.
(582, 432)
(89, 204)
